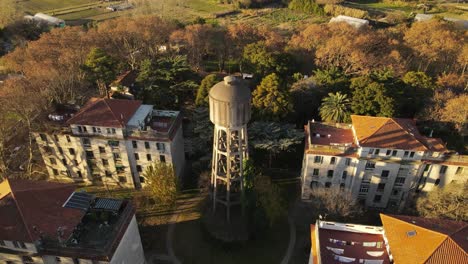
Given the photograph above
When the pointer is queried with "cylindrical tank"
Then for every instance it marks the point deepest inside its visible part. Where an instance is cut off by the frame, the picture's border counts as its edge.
(230, 103)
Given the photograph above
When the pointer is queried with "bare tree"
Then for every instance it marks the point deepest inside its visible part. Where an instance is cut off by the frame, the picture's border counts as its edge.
(335, 204)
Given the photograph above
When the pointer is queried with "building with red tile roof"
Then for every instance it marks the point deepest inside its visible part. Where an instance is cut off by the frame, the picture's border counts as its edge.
(381, 161)
(111, 142)
(47, 222)
(334, 242)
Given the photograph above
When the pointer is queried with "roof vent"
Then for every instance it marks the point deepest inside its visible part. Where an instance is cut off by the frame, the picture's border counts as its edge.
(329, 136)
(411, 233)
(229, 80)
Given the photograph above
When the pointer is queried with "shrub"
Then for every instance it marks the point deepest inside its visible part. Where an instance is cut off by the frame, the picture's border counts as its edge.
(306, 6)
(335, 10)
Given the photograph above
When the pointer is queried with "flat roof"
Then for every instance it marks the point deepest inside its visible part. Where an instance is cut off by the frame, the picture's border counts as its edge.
(325, 134)
(349, 243)
(139, 117)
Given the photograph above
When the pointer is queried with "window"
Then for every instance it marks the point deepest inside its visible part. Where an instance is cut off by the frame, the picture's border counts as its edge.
(437, 182)
(99, 130)
(102, 150)
(388, 152)
(2, 243)
(443, 169)
(105, 162)
(113, 143)
(381, 187)
(148, 157)
(137, 157)
(80, 129)
(161, 147)
(459, 170)
(348, 162)
(108, 173)
(330, 173)
(328, 184)
(344, 175)
(394, 153)
(68, 139)
(84, 129)
(342, 186)
(89, 154)
(400, 181)
(316, 172)
(116, 155)
(377, 151)
(22, 245)
(113, 130)
(377, 198)
(122, 179)
(142, 179)
(58, 259)
(79, 174)
(332, 160)
(395, 192)
(370, 165)
(138, 167)
(406, 154)
(411, 155)
(55, 172)
(60, 150)
(147, 146)
(43, 137)
(94, 130)
(108, 130)
(75, 162)
(318, 159)
(86, 142)
(371, 151)
(53, 161)
(15, 244)
(76, 261)
(64, 161)
(364, 188)
(134, 144)
(411, 233)
(162, 158)
(385, 174)
(56, 137)
(313, 184)
(72, 151)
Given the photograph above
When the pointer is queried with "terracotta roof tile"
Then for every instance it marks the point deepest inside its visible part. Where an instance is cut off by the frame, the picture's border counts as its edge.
(431, 241)
(392, 133)
(323, 134)
(106, 112)
(36, 207)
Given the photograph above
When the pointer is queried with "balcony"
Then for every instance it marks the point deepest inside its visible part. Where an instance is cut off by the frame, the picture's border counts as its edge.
(162, 125)
(333, 150)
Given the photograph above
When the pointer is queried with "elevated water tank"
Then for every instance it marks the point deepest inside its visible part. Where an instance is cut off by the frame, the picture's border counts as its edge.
(230, 102)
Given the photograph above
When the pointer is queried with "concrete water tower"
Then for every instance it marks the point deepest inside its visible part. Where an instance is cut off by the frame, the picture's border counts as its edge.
(230, 113)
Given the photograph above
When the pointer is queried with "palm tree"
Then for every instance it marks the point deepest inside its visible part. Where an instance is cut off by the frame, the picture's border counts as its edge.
(335, 108)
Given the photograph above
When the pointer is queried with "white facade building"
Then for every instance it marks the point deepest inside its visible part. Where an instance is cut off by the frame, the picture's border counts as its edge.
(110, 142)
(379, 160)
(47, 223)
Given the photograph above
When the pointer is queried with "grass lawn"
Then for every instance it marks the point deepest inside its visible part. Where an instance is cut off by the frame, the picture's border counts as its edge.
(34, 6)
(192, 245)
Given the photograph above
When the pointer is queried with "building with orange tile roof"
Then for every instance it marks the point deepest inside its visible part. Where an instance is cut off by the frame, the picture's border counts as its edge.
(111, 142)
(402, 239)
(47, 222)
(380, 160)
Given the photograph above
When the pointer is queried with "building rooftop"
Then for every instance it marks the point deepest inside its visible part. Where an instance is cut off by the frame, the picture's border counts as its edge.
(106, 112)
(424, 240)
(392, 133)
(334, 242)
(35, 209)
(327, 134)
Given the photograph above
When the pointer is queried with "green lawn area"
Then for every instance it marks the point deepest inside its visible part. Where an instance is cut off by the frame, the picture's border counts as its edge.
(34, 6)
(192, 245)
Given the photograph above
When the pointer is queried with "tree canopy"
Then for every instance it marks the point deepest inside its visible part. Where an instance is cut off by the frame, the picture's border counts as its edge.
(335, 108)
(209, 81)
(161, 182)
(271, 99)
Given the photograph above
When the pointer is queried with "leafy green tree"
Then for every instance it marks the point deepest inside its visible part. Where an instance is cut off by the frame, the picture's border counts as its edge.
(101, 68)
(274, 138)
(162, 182)
(271, 99)
(258, 58)
(418, 80)
(204, 89)
(449, 202)
(306, 6)
(335, 108)
(306, 97)
(332, 79)
(166, 81)
(370, 98)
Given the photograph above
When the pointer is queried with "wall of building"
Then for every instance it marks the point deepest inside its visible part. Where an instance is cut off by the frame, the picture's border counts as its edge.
(178, 152)
(437, 177)
(130, 249)
(17, 258)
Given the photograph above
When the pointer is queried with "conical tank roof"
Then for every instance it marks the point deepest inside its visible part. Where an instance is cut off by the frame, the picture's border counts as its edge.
(230, 90)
